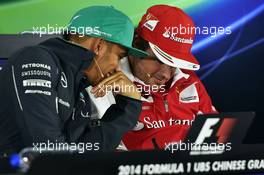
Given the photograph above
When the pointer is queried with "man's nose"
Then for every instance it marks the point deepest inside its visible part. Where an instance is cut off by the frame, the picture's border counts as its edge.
(165, 72)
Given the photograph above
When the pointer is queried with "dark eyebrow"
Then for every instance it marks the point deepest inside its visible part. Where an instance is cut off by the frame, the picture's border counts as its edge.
(123, 54)
(156, 59)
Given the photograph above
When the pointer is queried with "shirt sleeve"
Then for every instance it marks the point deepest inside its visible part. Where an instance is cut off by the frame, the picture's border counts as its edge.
(35, 77)
(118, 119)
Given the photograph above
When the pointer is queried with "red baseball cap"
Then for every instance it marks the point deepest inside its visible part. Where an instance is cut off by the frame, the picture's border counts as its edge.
(169, 31)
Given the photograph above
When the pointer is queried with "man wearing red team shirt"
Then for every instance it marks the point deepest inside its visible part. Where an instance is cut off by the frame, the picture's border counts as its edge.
(172, 93)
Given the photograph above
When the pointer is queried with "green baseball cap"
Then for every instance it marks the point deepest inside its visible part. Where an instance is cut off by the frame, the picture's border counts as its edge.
(108, 23)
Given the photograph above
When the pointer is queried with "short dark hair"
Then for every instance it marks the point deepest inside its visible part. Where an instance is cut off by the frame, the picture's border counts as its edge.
(66, 36)
(140, 43)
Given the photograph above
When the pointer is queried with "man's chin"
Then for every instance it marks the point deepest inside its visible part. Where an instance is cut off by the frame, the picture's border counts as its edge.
(157, 83)
(97, 81)
(157, 86)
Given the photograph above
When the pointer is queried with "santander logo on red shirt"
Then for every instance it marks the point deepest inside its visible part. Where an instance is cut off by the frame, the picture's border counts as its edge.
(171, 34)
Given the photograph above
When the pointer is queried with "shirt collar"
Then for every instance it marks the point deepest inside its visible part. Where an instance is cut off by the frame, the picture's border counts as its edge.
(179, 75)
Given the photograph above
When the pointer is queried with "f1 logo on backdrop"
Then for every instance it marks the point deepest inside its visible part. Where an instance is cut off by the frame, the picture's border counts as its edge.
(223, 132)
(211, 135)
(215, 133)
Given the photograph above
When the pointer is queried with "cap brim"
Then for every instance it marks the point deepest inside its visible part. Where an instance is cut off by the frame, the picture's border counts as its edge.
(179, 62)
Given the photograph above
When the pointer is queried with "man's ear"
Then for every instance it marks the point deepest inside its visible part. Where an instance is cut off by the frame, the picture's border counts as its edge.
(98, 45)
